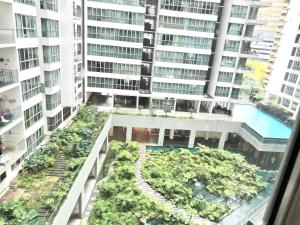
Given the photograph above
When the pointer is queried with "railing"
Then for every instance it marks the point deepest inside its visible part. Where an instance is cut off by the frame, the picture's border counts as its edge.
(7, 36)
(77, 35)
(263, 139)
(8, 77)
(244, 67)
(11, 151)
(51, 59)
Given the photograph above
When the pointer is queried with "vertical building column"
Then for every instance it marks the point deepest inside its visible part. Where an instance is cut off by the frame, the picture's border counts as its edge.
(81, 204)
(171, 134)
(198, 104)
(111, 131)
(161, 136)
(206, 135)
(192, 139)
(220, 36)
(223, 138)
(113, 101)
(174, 108)
(128, 133)
(137, 102)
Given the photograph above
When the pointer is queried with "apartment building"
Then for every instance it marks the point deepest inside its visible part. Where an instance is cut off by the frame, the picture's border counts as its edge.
(274, 17)
(41, 75)
(186, 54)
(284, 86)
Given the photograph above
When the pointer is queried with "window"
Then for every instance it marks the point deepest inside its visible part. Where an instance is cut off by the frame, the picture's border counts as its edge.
(30, 87)
(225, 77)
(253, 13)
(115, 34)
(102, 82)
(33, 114)
(293, 78)
(54, 122)
(235, 29)
(228, 61)
(52, 101)
(185, 41)
(239, 11)
(294, 106)
(297, 93)
(297, 38)
(282, 88)
(110, 67)
(124, 2)
(235, 93)
(286, 76)
(222, 91)
(27, 2)
(50, 28)
(161, 103)
(201, 7)
(177, 88)
(115, 16)
(35, 140)
(179, 73)
(114, 51)
(285, 102)
(249, 30)
(289, 90)
(180, 57)
(49, 5)
(25, 26)
(232, 46)
(296, 65)
(187, 24)
(52, 78)
(51, 54)
(28, 58)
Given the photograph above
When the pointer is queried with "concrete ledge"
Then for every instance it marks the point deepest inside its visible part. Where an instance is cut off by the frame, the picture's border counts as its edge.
(66, 209)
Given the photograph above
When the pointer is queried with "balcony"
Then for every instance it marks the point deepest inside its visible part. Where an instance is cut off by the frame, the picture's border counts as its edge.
(11, 151)
(7, 77)
(9, 118)
(6, 37)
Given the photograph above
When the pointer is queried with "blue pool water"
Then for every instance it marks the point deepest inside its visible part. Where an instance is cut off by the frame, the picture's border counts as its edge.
(264, 124)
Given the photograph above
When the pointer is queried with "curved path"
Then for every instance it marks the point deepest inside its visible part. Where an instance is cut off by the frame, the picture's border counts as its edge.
(147, 189)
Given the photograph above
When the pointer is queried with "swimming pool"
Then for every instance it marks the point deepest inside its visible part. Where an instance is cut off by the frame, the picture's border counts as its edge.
(264, 124)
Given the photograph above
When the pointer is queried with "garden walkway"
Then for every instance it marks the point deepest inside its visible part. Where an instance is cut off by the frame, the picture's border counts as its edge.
(147, 189)
(93, 198)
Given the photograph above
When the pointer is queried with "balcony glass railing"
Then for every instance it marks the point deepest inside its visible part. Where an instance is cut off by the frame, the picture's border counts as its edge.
(9, 115)
(8, 77)
(7, 36)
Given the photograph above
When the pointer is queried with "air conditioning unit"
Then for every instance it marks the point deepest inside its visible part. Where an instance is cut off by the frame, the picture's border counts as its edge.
(3, 160)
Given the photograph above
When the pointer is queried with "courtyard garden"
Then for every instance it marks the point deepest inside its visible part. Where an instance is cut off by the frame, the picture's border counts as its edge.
(205, 182)
(119, 200)
(47, 175)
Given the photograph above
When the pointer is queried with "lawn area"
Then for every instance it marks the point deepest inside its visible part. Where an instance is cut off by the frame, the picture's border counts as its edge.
(119, 200)
(204, 182)
(49, 172)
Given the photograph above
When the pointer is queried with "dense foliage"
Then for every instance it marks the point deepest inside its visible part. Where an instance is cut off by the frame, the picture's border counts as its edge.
(72, 144)
(221, 173)
(119, 200)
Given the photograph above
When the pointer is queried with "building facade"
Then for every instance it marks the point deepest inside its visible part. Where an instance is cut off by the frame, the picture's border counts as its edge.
(41, 75)
(284, 87)
(186, 54)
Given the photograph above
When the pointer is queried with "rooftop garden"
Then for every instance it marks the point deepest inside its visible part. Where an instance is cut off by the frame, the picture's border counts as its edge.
(119, 200)
(205, 182)
(47, 175)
